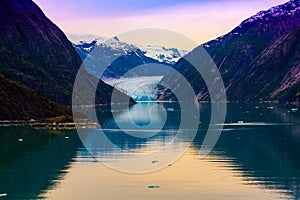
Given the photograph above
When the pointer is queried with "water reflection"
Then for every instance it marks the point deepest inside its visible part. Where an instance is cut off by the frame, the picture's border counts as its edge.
(259, 148)
(260, 143)
(132, 140)
(266, 154)
(32, 161)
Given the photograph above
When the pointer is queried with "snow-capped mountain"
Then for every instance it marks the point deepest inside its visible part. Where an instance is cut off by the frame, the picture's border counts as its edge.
(115, 57)
(290, 9)
(163, 54)
(107, 44)
(273, 18)
(118, 48)
(120, 56)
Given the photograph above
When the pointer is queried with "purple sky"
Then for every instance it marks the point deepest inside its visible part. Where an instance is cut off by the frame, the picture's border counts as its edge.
(198, 19)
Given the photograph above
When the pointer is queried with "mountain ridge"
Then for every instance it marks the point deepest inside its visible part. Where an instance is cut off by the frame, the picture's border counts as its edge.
(240, 51)
(35, 53)
(119, 57)
(113, 56)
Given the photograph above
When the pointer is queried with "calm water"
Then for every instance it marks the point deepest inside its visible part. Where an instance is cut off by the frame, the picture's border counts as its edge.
(259, 158)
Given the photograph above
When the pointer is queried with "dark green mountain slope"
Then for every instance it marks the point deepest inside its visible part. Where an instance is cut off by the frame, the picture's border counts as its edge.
(36, 53)
(19, 102)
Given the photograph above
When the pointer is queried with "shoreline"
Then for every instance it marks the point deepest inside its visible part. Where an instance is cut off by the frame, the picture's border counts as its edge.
(67, 123)
(48, 125)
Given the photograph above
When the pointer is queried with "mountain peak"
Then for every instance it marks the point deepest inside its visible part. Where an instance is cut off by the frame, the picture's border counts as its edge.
(115, 44)
(116, 38)
(282, 18)
(163, 54)
(289, 9)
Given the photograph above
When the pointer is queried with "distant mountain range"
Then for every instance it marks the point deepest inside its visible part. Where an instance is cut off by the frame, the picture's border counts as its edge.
(36, 53)
(259, 60)
(120, 57)
(163, 54)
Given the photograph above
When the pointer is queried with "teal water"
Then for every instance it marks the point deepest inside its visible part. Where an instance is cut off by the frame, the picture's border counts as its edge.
(257, 156)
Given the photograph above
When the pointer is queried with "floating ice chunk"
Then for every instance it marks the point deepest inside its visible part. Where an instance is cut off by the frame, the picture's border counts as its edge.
(170, 109)
(20, 140)
(3, 195)
(66, 137)
(294, 109)
(153, 186)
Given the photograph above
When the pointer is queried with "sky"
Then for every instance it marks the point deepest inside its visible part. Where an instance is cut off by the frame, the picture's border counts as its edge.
(199, 20)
